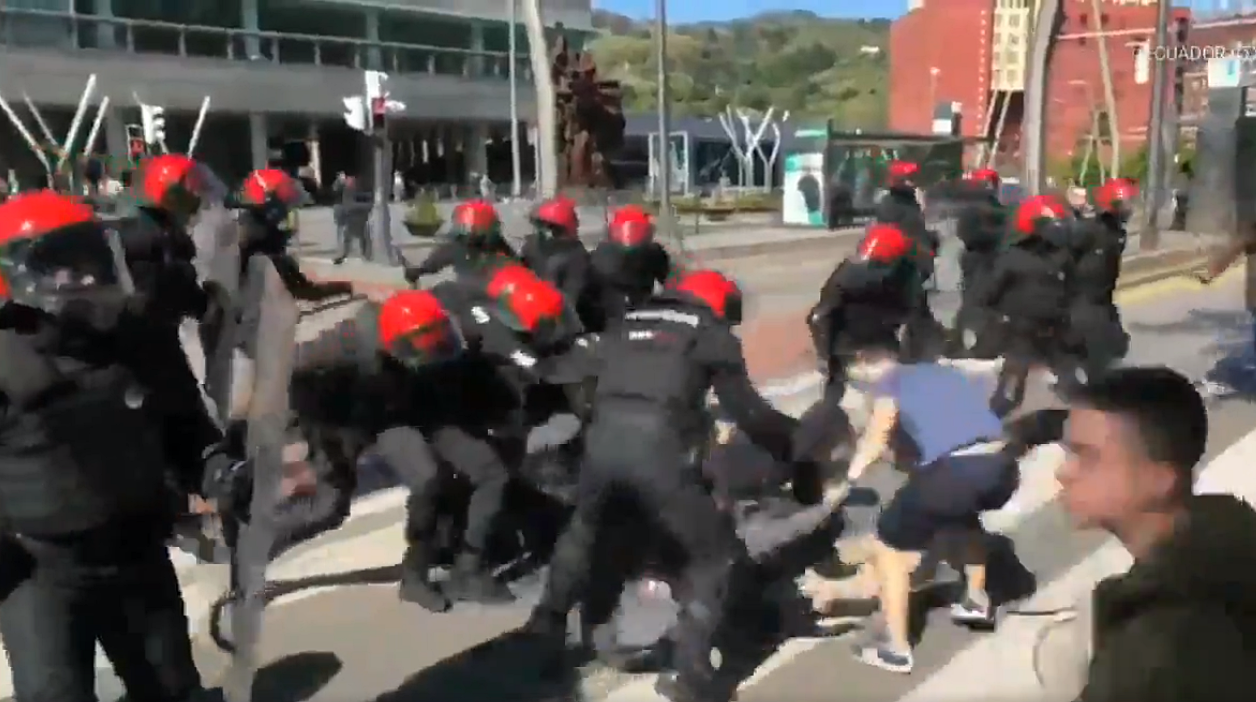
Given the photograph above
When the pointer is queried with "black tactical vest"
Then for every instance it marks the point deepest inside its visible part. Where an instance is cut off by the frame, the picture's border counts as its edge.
(649, 360)
(77, 447)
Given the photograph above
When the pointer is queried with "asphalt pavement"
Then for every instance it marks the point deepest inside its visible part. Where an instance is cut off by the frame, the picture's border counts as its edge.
(353, 641)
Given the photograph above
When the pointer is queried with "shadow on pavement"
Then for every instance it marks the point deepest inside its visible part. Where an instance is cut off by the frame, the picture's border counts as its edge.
(505, 669)
(293, 678)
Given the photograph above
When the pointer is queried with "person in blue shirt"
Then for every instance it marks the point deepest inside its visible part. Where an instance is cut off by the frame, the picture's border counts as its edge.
(937, 421)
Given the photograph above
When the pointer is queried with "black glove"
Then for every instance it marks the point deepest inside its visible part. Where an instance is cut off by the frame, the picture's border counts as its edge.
(412, 275)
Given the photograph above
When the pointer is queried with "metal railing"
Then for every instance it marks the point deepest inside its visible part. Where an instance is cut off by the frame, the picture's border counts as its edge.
(58, 30)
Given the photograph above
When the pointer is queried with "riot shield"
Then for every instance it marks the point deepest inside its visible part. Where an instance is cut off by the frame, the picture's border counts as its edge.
(217, 238)
(267, 413)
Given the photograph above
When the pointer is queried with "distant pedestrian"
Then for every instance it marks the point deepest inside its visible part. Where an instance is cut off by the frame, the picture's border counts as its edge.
(354, 215)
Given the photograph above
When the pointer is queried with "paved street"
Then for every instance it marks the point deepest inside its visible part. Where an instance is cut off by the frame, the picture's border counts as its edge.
(357, 642)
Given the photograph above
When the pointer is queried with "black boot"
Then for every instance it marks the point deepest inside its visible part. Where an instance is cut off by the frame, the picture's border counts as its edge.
(470, 582)
(416, 586)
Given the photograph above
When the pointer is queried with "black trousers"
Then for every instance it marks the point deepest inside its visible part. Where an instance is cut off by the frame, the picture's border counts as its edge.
(354, 229)
(636, 475)
(126, 597)
(417, 461)
(1024, 343)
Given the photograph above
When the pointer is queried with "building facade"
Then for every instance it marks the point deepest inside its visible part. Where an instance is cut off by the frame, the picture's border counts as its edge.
(1228, 31)
(940, 65)
(277, 70)
(1075, 90)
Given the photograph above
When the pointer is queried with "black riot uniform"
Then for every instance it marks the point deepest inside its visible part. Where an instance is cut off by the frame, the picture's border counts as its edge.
(900, 207)
(351, 393)
(555, 253)
(981, 228)
(1099, 245)
(85, 492)
(649, 420)
(865, 302)
(630, 264)
(477, 243)
(1030, 289)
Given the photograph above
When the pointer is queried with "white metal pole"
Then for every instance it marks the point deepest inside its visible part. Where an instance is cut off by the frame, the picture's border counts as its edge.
(196, 129)
(25, 134)
(664, 119)
(39, 119)
(516, 153)
(546, 101)
(94, 132)
(755, 141)
(734, 140)
(77, 123)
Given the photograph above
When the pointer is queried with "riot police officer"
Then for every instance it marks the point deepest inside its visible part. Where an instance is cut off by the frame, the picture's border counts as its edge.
(630, 263)
(901, 207)
(554, 250)
(981, 229)
(476, 242)
(865, 301)
(649, 411)
(1030, 289)
(84, 466)
(382, 378)
(1099, 245)
(266, 200)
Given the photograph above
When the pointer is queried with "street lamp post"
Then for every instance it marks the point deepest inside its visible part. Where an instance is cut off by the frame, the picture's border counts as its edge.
(516, 160)
(1154, 189)
(663, 154)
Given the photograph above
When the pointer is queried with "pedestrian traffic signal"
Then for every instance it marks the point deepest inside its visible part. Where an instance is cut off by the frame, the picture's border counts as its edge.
(153, 121)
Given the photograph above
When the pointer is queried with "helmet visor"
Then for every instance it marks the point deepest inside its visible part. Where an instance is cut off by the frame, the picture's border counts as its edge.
(73, 263)
(436, 343)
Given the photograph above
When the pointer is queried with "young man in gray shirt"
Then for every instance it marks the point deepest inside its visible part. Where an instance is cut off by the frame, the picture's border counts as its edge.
(960, 469)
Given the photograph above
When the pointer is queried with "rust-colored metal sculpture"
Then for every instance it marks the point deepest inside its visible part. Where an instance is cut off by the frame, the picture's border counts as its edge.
(590, 120)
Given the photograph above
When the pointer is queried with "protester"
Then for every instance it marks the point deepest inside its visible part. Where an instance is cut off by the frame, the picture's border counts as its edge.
(1179, 625)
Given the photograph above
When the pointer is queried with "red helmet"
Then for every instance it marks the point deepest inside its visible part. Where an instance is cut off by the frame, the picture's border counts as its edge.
(528, 304)
(1116, 196)
(1037, 210)
(272, 193)
(984, 176)
(53, 248)
(559, 215)
(902, 173)
(713, 289)
(885, 243)
(631, 226)
(175, 184)
(475, 220)
(416, 329)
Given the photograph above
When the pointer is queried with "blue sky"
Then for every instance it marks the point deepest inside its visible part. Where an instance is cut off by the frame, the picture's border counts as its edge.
(698, 10)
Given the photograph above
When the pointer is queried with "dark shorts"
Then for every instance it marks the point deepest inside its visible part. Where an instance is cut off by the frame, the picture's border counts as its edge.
(950, 493)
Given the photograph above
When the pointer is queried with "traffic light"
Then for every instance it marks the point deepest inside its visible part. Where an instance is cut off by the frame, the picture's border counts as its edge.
(376, 83)
(355, 115)
(153, 121)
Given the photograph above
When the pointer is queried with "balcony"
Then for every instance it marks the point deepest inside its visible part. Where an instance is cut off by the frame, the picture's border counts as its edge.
(51, 53)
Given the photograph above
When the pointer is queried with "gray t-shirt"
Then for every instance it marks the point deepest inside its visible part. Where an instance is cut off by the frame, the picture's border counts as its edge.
(941, 408)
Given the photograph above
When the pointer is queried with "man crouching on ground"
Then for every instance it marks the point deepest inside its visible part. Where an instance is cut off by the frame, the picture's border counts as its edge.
(961, 471)
(1181, 623)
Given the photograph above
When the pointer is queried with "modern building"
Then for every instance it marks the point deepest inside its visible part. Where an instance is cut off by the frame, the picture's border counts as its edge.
(277, 70)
